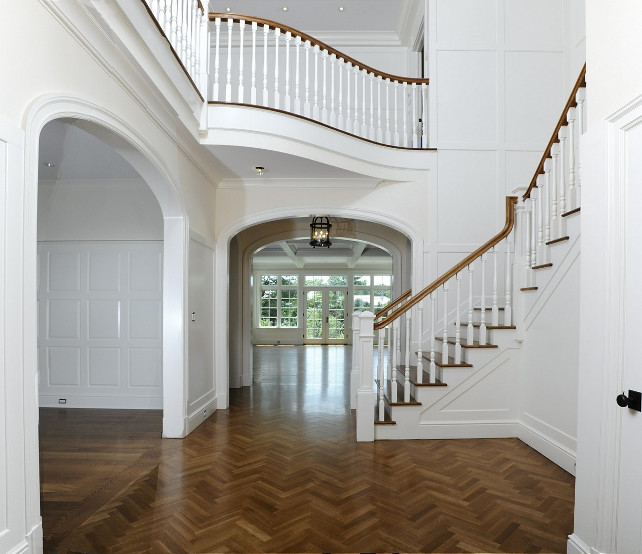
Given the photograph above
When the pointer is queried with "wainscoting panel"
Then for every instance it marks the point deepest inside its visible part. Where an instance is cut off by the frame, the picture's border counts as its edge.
(100, 324)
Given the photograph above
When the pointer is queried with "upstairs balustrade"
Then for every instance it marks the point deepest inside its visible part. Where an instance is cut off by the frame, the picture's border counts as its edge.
(262, 63)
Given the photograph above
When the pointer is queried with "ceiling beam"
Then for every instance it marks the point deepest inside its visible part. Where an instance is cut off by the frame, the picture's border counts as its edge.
(291, 253)
(359, 247)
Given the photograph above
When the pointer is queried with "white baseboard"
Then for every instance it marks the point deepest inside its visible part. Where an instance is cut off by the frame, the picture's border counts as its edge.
(102, 402)
(199, 415)
(575, 545)
(546, 446)
(451, 430)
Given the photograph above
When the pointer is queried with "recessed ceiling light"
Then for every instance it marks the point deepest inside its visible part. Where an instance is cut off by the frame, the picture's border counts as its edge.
(341, 8)
(259, 170)
(49, 164)
(228, 9)
(285, 8)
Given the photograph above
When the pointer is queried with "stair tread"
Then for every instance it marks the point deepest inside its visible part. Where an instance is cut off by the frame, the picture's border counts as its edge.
(491, 327)
(464, 343)
(425, 380)
(557, 241)
(438, 360)
(387, 419)
(571, 212)
(388, 395)
(542, 266)
(526, 289)
(487, 308)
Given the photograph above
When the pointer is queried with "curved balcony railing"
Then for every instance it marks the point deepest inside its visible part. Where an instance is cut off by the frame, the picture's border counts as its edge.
(259, 62)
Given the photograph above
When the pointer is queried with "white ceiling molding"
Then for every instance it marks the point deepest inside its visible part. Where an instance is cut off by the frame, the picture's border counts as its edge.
(411, 23)
(335, 184)
(358, 250)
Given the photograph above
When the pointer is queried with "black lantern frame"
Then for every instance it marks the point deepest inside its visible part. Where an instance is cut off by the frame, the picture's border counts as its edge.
(320, 232)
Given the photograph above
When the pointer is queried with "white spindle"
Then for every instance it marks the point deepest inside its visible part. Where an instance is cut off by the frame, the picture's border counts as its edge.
(356, 127)
(180, 31)
(470, 329)
(482, 325)
(406, 384)
(432, 370)
(380, 379)
(195, 28)
(388, 134)
(540, 220)
(228, 85)
(168, 20)
(547, 201)
(533, 200)
(424, 117)
(241, 91)
(405, 115)
(508, 284)
(571, 159)
(266, 99)
(324, 109)
(553, 192)
(287, 99)
(396, 135)
(217, 52)
(415, 135)
(379, 129)
(306, 104)
(348, 66)
(527, 241)
(153, 6)
(562, 180)
(253, 84)
(395, 347)
(333, 115)
(340, 120)
(581, 96)
(187, 33)
(444, 346)
(364, 124)
(277, 92)
(315, 107)
(173, 26)
(297, 97)
(389, 358)
(494, 314)
(160, 14)
(371, 129)
(458, 321)
(419, 325)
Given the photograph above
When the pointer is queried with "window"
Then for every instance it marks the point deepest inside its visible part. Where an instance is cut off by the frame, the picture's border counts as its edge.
(326, 281)
(371, 292)
(279, 295)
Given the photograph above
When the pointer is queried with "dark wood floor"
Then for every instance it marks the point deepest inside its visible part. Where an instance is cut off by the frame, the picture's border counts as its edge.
(280, 471)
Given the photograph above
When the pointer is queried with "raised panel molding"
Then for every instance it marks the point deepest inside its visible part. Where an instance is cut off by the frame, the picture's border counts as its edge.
(100, 341)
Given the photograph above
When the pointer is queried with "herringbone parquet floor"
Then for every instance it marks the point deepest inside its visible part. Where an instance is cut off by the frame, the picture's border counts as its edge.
(280, 471)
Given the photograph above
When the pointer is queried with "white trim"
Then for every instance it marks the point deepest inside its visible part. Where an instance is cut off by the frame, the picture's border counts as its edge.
(335, 184)
(553, 450)
(575, 545)
(103, 402)
(200, 414)
(451, 430)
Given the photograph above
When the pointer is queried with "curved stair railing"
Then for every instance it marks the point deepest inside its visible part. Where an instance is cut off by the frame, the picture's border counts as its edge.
(259, 62)
(382, 312)
(552, 196)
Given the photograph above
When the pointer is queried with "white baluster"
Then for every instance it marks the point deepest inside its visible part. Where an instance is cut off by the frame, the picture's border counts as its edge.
(185, 35)
(405, 116)
(253, 85)
(527, 241)
(380, 380)
(340, 120)
(153, 6)
(508, 284)
(266, 99)
(547, 204)
(160, 14)
(540, 220)
(173, 26)
(389, 359)
(179, 14)
(482, 325)
(424, 119)
(406, 384)
(397, 322)
(241, 91)
(371, 129)
(324, 109)
(287, 99)
(458, 322)
(393, 346)
(432, 370)
(444, 346)
(297, 98)
(333, 115)
(396, 135)
(355, 122)
(306, 104)
(379, 129)
(277, 93)
(553, 192)
(315, 107)
(533, 200)
(415, 136)
(168, 21)
(419, 324)
(494, 313)
(470, 329)
(571, 159)
(228, 86)
(194, 30)
(217, 52)
(348, 66)
(581, 96)
(562, 180)
(388, 138)
(364, 124)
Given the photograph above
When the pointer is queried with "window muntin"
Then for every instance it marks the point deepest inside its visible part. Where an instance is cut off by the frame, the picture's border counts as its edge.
(278, 299)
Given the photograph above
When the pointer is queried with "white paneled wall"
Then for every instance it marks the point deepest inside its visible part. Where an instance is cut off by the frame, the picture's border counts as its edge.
(100, 324)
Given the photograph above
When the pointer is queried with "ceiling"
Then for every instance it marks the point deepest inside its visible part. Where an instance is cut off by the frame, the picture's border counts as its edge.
(324, 15)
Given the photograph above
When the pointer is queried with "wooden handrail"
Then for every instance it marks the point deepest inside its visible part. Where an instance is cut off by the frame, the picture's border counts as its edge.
(305, 37)
(385, 309)
(571, 103)
(508, 226)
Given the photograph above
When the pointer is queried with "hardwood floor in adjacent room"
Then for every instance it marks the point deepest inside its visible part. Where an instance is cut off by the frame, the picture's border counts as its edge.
(280, 471)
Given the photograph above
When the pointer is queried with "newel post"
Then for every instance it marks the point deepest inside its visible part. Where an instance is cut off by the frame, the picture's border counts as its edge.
(356, 360)
(365, 394)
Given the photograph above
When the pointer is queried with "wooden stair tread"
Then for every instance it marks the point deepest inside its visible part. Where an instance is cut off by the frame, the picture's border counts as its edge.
(557, 241)
(571, 212)
(438, 360)
(542, 266)
(464, 343)
(387, 418)
(388, 396)
(526, 289)
(425, 380)
(478, 308)
(491, 327)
